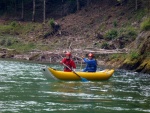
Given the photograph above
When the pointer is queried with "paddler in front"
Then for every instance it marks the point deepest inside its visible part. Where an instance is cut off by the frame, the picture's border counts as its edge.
(68, 61)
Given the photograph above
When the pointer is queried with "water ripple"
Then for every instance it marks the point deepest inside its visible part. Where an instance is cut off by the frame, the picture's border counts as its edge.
(24, 89)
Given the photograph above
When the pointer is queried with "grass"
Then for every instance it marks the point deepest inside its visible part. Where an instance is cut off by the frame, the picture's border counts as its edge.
(139, 14)
(104, 45)
(111, 34)
(15, 28)
(115, 24)
(128, 32)
(14, 43)
(134, 55)
(118, 56)
(145, 25)
(23, 47)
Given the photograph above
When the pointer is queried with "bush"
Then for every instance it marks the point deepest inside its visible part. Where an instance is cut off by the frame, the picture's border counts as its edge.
(9, 43)
(104, 45)
(115, 23)
(11, 28)
(51, 22)
(134, 55)
(111, 34)
(2, 42)
(14, 24)
(145, 25)
(129, 33)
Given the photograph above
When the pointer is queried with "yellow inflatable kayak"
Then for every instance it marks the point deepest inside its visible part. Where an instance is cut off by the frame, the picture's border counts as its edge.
(51, 73)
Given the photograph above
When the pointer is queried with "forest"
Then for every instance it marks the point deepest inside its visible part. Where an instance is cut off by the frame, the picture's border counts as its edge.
(39, 10)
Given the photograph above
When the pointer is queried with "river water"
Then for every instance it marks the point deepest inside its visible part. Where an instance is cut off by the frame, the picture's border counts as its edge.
(24, 89)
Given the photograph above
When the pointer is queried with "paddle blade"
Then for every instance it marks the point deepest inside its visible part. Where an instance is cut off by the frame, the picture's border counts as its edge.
(84, 79)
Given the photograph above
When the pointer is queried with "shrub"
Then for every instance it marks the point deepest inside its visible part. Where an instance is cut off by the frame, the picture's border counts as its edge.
(14, 24)
(104, 45)
(2, 42)
(115, 56)
(51, 22)
(115, 23)
(9, 43)
(111, 34)
(145, 25)
(134, 55)
(129, 33)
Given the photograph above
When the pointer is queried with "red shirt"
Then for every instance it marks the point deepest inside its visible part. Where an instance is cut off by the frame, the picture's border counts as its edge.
(70, 63)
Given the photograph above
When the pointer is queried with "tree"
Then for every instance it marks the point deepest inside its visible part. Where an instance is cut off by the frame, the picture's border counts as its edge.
(78, 5)
(22, 10)
(44, 10)
(33, 13)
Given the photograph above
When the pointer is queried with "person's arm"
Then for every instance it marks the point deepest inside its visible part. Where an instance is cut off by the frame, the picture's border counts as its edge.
(88, 61)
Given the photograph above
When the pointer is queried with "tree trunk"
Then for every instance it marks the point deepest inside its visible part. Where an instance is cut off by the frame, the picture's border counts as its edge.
(22, 12)
(44, 11)
(78, 5)
(33, 13)
(136, 4)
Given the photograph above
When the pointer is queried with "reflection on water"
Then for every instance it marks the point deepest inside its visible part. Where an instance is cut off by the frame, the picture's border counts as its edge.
(24, 89)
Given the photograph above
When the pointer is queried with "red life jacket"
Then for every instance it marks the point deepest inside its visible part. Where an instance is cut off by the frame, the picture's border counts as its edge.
(70, 63)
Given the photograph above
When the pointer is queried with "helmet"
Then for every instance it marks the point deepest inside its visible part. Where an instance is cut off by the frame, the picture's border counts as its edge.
(90, 55)
(68, 54)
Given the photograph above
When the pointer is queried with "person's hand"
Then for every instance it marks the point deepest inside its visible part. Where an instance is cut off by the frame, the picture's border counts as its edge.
(73, 69)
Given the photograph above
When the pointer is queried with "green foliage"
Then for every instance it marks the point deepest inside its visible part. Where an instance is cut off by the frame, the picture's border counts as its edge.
(131, 31)
(14, 43)
(145, 25)
(23, 47)
(140, 14)
(11, 28)
(111, 34)
(115, 23)
(104, 45)
(51, 22)
(2, 42)
(128, 32)
(134, 55)
(14, 28)
(118, 56)
(115, 56)
(9, 43)
(14, 24)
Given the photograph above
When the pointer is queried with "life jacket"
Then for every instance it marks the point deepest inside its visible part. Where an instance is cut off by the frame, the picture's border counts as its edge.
(91, 65)
(68, 63)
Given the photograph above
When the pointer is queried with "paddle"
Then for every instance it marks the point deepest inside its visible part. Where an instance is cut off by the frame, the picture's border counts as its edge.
(82, 79)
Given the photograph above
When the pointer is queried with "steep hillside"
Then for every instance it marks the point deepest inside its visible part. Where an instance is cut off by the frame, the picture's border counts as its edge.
(103, 29)
(140, 62)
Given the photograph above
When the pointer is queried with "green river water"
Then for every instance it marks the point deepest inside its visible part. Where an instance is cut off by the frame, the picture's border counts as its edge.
(24, 89)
